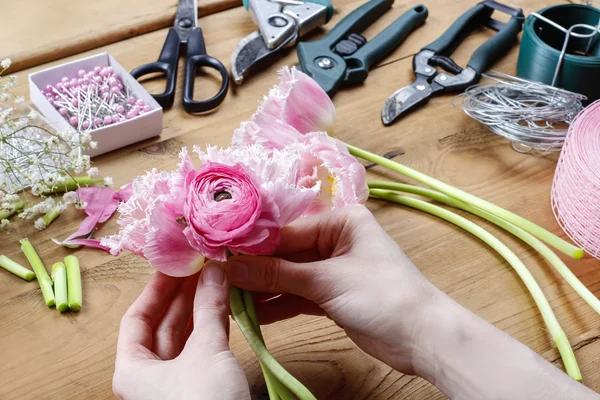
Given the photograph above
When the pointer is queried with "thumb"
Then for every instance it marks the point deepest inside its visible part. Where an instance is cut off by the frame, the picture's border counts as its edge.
(276, 275)
(211, 310)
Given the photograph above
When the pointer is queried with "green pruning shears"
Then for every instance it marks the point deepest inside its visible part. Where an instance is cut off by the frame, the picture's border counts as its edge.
(343, 57)
(429, 81)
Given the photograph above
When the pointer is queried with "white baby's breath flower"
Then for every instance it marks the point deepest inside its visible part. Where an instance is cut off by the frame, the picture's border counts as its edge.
(70, 198)
(6, 63)
(39, 189)
(52, 141)
(34, 160)
(4, 224)
(13, 79)
(92, 172)
(86, 138)
(86, 162)
(19, 99)
(11, 197)
(93, 144)
(32, 115)
(40, 224)
(108, 181)
(80, 205)
(4, 97)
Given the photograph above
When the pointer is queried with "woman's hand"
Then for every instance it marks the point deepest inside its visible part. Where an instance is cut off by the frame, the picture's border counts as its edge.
(344, 265)
(173, 342)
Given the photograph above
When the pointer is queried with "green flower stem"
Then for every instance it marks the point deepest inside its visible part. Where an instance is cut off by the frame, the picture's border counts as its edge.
(40, 271)
(245, 324)
(525, 236)
(59, 277)
(74, 299)
(14, 207)
(53, 214)
(16, 269)
(75, 183)
(550, 320)
(276, 389)
(513, 218)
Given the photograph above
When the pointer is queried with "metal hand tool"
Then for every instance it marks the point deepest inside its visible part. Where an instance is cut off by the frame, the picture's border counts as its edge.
(430, 82)
(280, 24)
(186, 32)
(343, 57)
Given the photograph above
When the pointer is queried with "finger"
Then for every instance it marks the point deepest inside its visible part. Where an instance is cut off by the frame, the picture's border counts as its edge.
(168, 339)
(276, 275)
(139, 322)
(211, 310)
(284, 307)
(314, 235)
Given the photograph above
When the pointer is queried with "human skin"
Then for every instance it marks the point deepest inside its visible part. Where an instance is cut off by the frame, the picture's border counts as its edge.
(173, 340)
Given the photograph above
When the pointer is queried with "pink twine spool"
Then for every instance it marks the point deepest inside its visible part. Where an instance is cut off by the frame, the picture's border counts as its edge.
(576, 186)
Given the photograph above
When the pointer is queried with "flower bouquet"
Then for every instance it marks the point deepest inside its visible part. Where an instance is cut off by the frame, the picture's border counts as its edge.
(283, 164)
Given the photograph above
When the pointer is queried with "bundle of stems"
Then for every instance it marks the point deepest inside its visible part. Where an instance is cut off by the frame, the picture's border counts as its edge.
(525, 230)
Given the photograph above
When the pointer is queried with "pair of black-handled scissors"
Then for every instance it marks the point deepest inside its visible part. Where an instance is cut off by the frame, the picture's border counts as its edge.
(187, 32)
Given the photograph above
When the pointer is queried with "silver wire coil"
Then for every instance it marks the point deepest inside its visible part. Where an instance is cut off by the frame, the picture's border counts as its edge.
(532, 115)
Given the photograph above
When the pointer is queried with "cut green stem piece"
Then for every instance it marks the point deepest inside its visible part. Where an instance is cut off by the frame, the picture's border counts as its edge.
(276, 389)
(245, 324)
(40, 271)
(16, 268)
(59, 277)
(53, 214)
(15, 206)
(513, 218)
(525, 236)
(550, 320)
(74, 298)
(71, 184)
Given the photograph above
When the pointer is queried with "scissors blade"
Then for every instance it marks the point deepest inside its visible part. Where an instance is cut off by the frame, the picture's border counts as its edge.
(404, 100)
(186, 18)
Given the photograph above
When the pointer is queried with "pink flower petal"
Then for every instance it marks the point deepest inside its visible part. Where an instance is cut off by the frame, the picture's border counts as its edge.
(291, 200)
(167, 248)
(307, 107)
(126, 192)
(76, 243)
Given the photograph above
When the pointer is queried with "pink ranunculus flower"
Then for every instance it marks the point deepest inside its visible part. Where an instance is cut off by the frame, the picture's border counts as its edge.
(237, 200)
(297, 106)
(226, 209)
(342, 177)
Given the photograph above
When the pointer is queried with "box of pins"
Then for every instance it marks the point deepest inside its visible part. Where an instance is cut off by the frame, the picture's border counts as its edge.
(98, 96)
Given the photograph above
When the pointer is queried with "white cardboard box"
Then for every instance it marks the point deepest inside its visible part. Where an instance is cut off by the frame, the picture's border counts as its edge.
(110, 137)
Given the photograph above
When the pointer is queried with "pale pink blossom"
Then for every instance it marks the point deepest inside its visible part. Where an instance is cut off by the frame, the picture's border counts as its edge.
(327, 161)
(297, 106)
(237, 201)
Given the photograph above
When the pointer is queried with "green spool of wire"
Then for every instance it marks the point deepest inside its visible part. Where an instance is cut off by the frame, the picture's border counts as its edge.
(557, 49)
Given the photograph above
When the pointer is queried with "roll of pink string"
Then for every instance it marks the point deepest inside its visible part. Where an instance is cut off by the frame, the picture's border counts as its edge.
(576, 186)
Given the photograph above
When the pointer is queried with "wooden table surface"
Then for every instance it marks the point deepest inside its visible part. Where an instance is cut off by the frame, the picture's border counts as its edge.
(46, 355)
(65, 27)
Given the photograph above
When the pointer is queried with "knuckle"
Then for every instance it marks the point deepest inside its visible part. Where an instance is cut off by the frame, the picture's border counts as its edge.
(213, 303)
(270, 273)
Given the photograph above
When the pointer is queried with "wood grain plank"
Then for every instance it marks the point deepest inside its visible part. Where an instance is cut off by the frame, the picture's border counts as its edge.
(36, 32)
(71, 356)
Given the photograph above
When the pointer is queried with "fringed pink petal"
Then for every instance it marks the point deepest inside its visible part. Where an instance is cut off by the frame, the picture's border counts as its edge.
(167, 248)
(307, 107)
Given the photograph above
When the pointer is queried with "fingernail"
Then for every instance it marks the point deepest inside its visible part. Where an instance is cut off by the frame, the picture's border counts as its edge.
(237, 271)
(212, 274)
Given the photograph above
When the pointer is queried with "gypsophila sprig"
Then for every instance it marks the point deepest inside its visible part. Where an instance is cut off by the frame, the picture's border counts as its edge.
(33, 155)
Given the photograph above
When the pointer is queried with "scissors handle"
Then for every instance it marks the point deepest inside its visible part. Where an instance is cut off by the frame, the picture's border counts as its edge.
(166, 64)
(197, 58)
